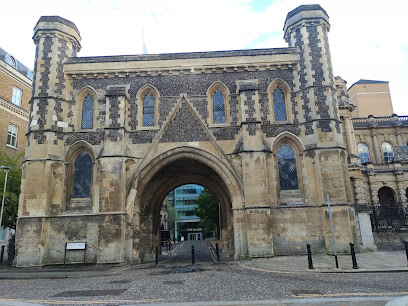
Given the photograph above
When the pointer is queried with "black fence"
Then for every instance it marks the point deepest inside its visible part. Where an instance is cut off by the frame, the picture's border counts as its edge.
(389, 216)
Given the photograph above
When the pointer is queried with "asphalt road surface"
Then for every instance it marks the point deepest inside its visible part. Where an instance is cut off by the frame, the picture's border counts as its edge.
(211, 283)
(182, 253)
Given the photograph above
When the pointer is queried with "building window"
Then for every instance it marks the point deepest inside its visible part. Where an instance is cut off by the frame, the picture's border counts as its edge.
(87, 113)
(287, 168)
(218, 108)
(148, 110)
(81, 187)
(279, 105)
(12, 135)
(17, 93)
(10, 60)
(388, 152)
(363, 153)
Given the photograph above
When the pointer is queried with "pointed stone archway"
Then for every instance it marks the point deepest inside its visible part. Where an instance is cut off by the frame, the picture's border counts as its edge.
(170, 170)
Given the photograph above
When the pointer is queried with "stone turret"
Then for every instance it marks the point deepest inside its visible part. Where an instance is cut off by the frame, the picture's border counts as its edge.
(56, 39)
(306, 28)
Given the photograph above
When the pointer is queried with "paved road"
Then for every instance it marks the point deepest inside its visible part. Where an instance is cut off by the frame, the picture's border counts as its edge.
(181, 254)
(213, 283)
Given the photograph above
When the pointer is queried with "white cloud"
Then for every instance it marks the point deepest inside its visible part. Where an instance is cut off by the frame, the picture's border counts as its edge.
(367, 38)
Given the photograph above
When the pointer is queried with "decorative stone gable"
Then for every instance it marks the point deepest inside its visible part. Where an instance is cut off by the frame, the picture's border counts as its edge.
(184, 126)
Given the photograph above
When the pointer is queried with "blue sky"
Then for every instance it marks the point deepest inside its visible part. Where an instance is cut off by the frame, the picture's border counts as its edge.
(367, 38)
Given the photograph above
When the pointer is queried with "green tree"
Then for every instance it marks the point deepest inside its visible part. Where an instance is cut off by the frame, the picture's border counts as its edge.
(208, 211)
(13, 188)
(171, 219)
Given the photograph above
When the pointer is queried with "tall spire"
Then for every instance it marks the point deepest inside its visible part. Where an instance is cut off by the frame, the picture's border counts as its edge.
(143, 42)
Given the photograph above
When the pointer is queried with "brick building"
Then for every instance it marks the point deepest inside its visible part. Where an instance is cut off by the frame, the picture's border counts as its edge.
(15, 94)
(377, 147)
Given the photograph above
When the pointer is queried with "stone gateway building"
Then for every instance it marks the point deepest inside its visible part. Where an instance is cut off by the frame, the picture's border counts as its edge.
(110, 137)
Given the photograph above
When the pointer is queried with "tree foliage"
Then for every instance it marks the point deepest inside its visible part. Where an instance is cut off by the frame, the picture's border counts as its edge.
(208, 211)
(12, 189)
(171, 219)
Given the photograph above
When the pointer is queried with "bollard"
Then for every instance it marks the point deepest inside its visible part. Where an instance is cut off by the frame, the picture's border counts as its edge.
(217, 252)
(2, 254)
(353, 256)
(192, 255)
(406, 248)
(309, 256)
(169, 245)
(157, 256)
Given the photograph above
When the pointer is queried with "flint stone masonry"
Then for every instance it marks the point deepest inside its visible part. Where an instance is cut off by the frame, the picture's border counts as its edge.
(134, 166)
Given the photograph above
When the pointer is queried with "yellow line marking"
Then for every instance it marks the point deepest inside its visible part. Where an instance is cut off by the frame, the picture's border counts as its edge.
(263, 270)
(351, 294)
(60, 302)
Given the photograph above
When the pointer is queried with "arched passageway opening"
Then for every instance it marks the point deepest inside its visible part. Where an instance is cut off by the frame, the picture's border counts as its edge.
(386, 196)
(154, 187)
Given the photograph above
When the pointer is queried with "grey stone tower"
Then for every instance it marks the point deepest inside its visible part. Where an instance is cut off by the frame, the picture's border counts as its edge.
(306, 28)
(56, 39)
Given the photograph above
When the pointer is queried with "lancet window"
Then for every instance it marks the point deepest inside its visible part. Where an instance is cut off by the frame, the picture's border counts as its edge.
(287, 168)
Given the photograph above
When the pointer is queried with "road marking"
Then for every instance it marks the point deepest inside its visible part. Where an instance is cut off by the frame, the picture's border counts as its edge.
(352, 294)
(263, 270)
(60, 302)
(212, 252)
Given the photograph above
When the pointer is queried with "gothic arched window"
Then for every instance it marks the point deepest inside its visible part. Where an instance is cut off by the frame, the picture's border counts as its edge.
(148, 110)
(279, 105)
(287, 168)
(388, 152)
(363, 153)
(218, 107)
(87, 113)
(81, 187)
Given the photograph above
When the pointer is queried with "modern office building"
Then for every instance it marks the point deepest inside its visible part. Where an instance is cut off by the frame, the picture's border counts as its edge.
(187, 224)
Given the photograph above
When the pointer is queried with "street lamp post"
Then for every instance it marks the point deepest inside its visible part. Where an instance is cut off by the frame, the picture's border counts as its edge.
(6, 169)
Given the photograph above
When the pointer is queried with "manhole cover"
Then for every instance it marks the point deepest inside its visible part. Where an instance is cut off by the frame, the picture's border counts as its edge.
(121, 281)
(173, 282)
(90, 293)
(306, 292)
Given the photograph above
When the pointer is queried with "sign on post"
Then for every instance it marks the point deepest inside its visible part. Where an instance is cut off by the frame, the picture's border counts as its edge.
(74, 246)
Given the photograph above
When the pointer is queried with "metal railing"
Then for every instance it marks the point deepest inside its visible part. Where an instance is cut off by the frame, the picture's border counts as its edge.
(389, 216)
(384, 217)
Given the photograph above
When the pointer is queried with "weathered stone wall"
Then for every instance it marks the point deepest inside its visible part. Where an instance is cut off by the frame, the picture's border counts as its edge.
(134, 166)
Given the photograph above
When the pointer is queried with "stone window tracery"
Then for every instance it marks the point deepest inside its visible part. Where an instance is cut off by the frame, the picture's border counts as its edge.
(87, 113)
(287, 168)
(388, 152)
(363, 153)
(148, 110)
(82, 176)
(218, 107)
(279, 105)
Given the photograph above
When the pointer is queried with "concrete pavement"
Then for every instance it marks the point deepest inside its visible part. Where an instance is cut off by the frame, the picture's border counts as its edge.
(395, 261)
